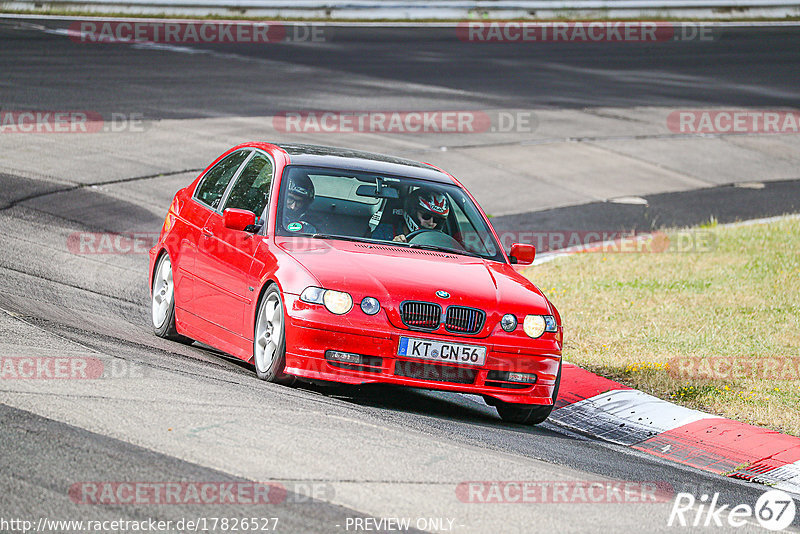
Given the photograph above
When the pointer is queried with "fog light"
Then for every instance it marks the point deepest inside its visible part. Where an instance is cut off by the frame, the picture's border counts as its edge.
(508, 322)
(524, 378)
(346, 357)
(370, 305)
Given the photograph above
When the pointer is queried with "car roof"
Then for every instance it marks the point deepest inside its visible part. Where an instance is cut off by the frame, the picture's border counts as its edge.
(325, 156)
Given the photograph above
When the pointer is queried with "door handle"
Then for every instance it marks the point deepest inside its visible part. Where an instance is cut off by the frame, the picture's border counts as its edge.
(206, 231)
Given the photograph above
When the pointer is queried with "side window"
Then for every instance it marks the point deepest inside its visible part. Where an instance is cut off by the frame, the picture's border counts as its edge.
(217, 178)
(251, 190)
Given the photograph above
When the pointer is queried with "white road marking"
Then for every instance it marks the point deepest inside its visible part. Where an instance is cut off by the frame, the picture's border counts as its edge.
(626, 416)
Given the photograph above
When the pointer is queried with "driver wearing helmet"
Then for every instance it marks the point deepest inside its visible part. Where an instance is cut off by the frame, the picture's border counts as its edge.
(299, 196)
(424, 209)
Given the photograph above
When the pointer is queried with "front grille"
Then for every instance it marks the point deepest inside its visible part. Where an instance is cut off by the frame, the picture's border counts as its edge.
(463, 320)
(421, 315)
(435, 373)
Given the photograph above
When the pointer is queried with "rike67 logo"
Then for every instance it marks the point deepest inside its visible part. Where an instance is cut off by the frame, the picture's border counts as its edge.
(774, 510)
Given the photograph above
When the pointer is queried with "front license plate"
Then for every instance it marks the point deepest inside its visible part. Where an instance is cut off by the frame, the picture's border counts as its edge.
(426, 349)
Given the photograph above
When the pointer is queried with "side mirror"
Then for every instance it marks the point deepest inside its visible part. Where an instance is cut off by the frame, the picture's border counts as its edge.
(522, 254)
(237, 219)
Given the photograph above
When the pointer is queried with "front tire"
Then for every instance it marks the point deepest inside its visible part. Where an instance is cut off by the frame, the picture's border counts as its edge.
(269, 339)
(524, 414)
(163, 302)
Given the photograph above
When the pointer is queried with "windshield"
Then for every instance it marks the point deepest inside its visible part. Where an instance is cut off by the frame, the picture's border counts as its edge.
(339, 203)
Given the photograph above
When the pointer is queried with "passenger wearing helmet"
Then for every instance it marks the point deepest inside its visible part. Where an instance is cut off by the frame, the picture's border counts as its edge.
(424, 209)
(299, 196)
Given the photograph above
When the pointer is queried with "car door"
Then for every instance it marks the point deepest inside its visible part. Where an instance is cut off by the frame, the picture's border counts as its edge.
(225, 255)
(193, 216)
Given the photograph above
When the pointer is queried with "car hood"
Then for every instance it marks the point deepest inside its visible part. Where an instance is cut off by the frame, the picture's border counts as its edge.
(395, 274)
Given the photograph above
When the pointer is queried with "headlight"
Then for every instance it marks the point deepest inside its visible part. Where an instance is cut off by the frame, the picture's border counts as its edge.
(370, 305)
(508, 322)
(536, 325)
(312, 295)
(337, 302)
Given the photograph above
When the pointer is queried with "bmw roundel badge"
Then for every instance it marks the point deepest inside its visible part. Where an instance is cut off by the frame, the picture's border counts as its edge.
(443, 294)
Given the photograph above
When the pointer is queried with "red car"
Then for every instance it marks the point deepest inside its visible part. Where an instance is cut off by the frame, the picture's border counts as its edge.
(337, 265)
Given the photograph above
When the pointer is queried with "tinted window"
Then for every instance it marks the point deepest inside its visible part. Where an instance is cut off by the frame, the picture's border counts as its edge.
(251, 190)
(217, 178)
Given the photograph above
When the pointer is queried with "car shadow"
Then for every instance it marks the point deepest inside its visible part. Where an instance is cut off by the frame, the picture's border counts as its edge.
(416, 401)
(444, 406)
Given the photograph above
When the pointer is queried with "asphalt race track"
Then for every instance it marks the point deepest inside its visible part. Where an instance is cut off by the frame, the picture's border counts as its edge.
(166, 412)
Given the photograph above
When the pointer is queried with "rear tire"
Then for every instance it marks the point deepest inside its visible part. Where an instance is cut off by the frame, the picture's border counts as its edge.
(163, 302)
(525, 414)
(269, 339)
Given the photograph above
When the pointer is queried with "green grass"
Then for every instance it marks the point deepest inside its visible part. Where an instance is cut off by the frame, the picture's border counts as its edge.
(626, 315)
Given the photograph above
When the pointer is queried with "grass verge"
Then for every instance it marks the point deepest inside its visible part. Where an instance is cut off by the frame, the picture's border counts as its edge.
(717, 329)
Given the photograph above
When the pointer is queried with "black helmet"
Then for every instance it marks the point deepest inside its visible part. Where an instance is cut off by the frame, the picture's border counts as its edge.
(431, 203)
(301, 187)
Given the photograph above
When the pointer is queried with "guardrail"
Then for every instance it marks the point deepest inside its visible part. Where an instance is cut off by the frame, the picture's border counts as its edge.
(427, 9)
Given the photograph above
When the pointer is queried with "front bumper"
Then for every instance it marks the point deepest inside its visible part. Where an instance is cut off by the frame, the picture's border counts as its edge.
(312, 330)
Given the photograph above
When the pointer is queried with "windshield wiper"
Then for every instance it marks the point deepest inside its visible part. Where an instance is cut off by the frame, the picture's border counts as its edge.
(342, 237)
